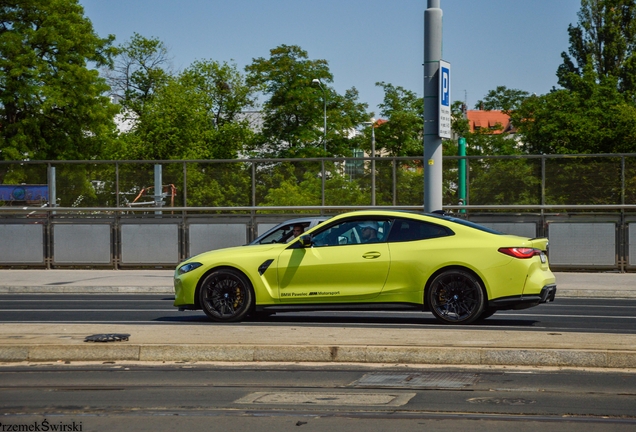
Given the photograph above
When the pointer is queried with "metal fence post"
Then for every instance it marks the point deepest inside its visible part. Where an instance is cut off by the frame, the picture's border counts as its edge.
(322, 187)
(253, 230)
(394, 190)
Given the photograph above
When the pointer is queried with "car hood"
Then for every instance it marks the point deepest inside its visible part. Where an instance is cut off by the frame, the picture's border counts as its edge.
(238, 250)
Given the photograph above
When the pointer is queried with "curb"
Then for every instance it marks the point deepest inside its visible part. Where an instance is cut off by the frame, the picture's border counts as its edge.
(324, 354)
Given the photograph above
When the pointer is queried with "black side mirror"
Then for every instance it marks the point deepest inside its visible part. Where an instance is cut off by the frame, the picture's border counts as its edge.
(305, 241)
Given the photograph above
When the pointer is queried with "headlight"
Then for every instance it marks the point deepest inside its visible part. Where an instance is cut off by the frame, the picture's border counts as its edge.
(188, 267)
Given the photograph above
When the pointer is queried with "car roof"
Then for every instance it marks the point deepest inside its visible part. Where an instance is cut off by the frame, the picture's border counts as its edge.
(440, 216)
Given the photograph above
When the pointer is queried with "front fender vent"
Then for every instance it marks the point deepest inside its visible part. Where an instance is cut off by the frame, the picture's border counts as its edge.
(263, 267)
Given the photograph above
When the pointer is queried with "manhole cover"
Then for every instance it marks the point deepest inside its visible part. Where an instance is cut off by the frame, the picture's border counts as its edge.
(107, 337)
(306, 398)
(426, 380)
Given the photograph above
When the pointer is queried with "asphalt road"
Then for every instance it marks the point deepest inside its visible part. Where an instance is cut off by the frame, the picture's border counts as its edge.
(279, 398)
(564, 315)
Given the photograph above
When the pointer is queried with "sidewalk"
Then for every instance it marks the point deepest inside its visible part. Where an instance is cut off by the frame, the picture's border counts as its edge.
(238, 343)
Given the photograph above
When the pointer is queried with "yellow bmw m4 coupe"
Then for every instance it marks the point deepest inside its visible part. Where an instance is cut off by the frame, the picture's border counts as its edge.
(373, 260)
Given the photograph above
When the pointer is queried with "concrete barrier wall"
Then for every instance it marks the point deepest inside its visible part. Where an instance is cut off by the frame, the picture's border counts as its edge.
(590, 244)
(523, 229)
(82, 244)
(155, 242)
(150, 244)
(22, 243)
(211, 236)
(632, 244)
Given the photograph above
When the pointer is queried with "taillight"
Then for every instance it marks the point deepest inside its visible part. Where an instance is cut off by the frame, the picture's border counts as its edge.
(520, 252)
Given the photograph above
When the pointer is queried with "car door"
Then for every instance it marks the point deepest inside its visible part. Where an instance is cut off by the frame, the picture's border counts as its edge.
(416, 249)
(337, 267)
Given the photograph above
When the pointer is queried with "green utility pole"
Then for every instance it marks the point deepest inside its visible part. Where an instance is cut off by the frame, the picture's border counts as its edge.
(461, 173)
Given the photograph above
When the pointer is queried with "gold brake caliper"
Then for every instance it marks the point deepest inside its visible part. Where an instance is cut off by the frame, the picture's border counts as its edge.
(238, 299)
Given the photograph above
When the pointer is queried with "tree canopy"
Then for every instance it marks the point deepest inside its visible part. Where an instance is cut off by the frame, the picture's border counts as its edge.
(139, 70)
(294, 111)
(605, 39)
(401, 135)
(592, 117)
(502, 98)
(194, 115)
(52, 104)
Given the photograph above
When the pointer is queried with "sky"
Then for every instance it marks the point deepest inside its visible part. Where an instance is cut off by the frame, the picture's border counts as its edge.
(512, 43)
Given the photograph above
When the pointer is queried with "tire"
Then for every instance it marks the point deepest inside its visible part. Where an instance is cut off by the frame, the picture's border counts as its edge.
(226, 295)
(456, 297)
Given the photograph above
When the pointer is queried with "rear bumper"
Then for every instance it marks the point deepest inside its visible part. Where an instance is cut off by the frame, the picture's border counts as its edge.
(547, 294)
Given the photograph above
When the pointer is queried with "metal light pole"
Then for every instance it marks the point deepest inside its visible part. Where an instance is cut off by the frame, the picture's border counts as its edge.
(372, 124)
(324, 103)
(432, 140)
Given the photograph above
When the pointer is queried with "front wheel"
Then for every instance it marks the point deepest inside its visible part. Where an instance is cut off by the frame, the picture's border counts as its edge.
(226, 295)
(456, 297)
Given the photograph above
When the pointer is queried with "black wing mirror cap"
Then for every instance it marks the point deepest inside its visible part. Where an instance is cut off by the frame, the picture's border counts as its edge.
(306, 241)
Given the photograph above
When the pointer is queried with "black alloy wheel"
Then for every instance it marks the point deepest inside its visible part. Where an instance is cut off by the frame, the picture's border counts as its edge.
(456, 297)
(226, 295)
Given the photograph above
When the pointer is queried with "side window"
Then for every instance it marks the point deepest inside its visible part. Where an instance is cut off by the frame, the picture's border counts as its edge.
(410, 230)
(285, 233)
(352, 231)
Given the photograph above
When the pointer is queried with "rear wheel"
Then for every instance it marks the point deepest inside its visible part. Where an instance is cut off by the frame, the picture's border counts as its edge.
(226, 295)
(456, 297)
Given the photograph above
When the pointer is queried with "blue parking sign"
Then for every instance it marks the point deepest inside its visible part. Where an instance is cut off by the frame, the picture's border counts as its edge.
(445, 87)
(444, 99)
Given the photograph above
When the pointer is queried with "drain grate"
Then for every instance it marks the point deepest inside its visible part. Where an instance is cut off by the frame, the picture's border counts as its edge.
(420, 380)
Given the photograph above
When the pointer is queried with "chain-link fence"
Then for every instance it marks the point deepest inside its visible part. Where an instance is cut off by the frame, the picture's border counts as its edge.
(156, 213)
(493, 183)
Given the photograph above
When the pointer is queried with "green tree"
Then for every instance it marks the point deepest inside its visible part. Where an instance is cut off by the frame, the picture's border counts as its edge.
(293, 113)
(226, 94)
(52, 104)
(289, 186)
(591, 117)
(139, 70)
(605, 38)
(502, 98)
(494, 181)
(192, 116)
(401, 135)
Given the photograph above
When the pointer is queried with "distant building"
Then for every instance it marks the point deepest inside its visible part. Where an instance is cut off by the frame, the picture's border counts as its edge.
(495, 121)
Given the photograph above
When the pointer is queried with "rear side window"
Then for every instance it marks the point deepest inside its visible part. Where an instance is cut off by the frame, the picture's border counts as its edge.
(411, 230)
(466, 223)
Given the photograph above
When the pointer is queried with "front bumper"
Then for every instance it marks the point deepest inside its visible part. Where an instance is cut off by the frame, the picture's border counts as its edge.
(547, 294)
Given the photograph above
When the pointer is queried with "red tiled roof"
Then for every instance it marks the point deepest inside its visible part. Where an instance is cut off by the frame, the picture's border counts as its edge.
(488, 119)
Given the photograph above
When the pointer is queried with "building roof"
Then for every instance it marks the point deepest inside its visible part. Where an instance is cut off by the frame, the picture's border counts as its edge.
(483, 119)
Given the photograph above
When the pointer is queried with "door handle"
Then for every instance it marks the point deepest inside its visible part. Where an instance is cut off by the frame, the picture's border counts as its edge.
(371, 255)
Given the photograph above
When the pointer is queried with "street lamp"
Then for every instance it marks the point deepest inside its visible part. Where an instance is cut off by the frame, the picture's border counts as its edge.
(324, 103)
(372, 124)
